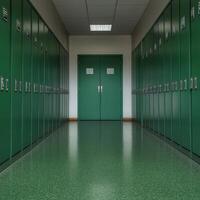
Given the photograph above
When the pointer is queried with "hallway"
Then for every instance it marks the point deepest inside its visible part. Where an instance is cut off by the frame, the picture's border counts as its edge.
(102, 161)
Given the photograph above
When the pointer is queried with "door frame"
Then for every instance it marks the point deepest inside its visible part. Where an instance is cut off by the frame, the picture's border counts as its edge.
(122, 88)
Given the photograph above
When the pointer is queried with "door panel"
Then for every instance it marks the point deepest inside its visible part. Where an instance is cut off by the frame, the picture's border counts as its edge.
(89, 93)
(100, 87)
(111, 102)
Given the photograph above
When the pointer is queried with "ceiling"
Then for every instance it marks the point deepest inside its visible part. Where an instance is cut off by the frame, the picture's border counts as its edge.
(77, 15)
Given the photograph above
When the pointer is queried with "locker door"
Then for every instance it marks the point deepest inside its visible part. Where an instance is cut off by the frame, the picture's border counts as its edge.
(195, 75)
(167, 72)
(156, 77)
(175, 72)
(151, 73)
(5, 94)
(46, 97)
(41, 79)
(185, 73)
(26, 64)
(34, 76)
(161, 77)
(16, 66)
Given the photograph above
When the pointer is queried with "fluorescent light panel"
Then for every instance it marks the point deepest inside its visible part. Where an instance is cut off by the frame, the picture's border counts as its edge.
(96, 27)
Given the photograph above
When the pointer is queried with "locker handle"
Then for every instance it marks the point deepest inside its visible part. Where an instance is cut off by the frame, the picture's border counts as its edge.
(5, 14)
(26, 87)
(2, 84)
(185, 84)
(7, 81)
(20, 86)
(16, 85)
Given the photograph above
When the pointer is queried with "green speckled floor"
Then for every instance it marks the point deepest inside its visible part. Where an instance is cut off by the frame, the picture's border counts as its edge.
(102, 161)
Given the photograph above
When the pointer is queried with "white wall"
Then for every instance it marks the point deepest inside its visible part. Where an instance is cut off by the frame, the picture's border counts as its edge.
(100, 45)
(50, 15)
(152, 12)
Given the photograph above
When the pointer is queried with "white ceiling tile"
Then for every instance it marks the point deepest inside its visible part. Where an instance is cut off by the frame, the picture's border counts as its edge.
(74, 14)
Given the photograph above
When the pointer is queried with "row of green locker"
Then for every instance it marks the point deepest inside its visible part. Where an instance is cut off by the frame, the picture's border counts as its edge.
(167, 75)
(33, 78)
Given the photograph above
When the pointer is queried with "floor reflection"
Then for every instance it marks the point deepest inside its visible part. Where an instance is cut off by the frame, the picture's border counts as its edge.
(101, 161)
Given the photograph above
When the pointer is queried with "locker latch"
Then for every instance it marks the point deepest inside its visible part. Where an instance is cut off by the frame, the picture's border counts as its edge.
(18, 25)
(185, 84)
(2, 83)
(16, 85)
(26, 87)
(199, 8)
(183, 23)
(193, 12)
(5, 14)
(195, 83)
(7, 88)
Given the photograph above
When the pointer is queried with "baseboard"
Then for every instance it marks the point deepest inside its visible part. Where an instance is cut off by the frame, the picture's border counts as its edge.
(73, 119)
(129, 119)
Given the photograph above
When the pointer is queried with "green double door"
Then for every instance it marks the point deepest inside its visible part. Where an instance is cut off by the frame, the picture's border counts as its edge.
(100, 87)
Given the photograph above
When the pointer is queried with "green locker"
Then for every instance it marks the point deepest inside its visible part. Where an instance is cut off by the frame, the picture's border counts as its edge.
(46, 89)
(195, 74)
(35, 76)
(175, 72)
(151, 76)
(155, 78)
(161, 77)
(16, 75)
(41, 78)
(168, 73)
(26, 73)
(5, 83)
(185, 73)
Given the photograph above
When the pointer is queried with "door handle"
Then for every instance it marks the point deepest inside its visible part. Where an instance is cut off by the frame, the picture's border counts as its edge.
(195, 83)
(99, 89)
(191, 83)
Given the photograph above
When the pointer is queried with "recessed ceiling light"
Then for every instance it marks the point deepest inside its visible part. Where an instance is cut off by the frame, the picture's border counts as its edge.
(105, 27)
